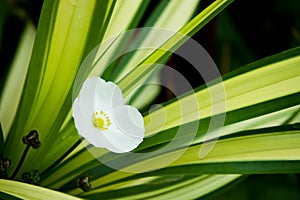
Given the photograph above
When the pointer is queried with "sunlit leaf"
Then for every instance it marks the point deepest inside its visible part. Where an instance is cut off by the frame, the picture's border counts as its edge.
(256, 107)
(27, 191)
(178, 187)
(164, 17)
(137, 75)
(14, 85)
(238, 117)
(199, 21)
(277, 77)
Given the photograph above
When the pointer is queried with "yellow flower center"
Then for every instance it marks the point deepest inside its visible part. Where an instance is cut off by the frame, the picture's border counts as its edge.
(101, 120)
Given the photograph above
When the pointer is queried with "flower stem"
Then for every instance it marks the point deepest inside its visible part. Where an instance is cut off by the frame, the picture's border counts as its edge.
(20, 162)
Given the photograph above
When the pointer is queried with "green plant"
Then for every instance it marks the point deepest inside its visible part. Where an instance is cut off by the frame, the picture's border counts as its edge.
(260, 133)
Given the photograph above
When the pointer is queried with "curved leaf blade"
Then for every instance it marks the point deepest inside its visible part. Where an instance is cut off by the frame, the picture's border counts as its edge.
(31, 192)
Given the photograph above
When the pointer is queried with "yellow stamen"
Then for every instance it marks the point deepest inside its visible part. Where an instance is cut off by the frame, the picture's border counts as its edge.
(101, 120)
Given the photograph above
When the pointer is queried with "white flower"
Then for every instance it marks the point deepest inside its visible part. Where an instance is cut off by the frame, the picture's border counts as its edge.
(103, 120)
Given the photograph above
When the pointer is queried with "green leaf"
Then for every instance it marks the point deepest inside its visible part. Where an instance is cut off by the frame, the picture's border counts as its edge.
(122, 19)
(263, 94)
(245, 152)
(105, 52)
(7, 196)
(253, 115)
(274, 146)
(102, 12)
(11, 94)
(64, 27)
(274, 112)
(171, 11)
(267, 79)
(51, 71)
(136, 76)
(68, 136)
(145, 94)
(180, 187)
(206, 15)
(165, 17)
(26, 191)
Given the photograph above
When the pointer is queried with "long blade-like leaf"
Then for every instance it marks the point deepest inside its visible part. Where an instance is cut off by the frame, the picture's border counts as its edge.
(30, 192)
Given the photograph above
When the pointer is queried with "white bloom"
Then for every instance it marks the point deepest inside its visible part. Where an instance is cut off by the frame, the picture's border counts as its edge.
(102, 118)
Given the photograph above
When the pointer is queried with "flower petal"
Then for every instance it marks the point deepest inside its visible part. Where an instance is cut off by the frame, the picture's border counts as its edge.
(121, 142)
(101, 94)
(128, 120)
(85, 128)
(107, 95)
(87, 92)
(87, 95)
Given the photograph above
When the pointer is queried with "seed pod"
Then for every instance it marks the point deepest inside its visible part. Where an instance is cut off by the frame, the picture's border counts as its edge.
(84, 184)
(32, 139)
